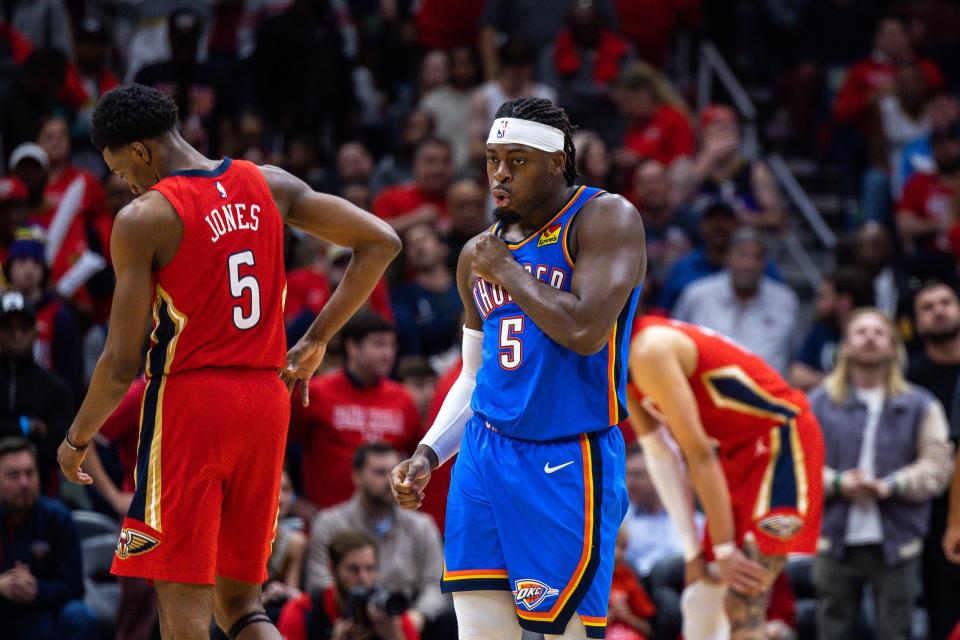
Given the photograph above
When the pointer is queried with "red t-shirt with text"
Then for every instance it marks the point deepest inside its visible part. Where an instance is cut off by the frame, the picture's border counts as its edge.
(342, 416)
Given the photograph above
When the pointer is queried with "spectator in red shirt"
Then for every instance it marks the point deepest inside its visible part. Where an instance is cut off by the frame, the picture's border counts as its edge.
(425, 198)
(308, 288)
(351, 406)
(927, 212)
(327, 614)
(630, 609)
(651, 24)
(31, 164)
(583, 64)
(873, 77)
(658, 125)
(93, 221)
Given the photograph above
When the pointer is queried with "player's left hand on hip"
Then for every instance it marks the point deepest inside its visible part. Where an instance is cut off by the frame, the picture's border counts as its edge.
(303, 360)
(490, 257)
(70, 462)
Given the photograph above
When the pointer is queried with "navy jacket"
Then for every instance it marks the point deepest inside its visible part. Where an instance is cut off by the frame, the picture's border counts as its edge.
(48, 542)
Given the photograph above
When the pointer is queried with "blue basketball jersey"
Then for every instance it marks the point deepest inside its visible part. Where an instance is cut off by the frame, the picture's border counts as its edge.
(529, 386)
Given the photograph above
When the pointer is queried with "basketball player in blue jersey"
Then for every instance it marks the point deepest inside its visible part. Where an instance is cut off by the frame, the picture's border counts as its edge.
(538, 493)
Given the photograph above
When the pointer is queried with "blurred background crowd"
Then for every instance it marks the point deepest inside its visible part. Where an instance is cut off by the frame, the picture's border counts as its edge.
(792, 161)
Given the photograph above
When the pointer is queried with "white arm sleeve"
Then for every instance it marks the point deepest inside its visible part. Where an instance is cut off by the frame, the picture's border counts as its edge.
(669, 476)
(447, 430)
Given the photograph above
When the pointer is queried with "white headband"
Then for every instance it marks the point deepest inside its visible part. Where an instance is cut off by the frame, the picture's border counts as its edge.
(533, 134)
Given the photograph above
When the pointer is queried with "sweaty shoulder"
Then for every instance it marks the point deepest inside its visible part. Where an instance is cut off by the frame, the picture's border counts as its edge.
(613, 216)
(284, 186)
(610, 222)
(148, 224)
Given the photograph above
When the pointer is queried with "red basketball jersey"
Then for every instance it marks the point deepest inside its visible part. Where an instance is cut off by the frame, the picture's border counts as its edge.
(219, 302)
(739, 396)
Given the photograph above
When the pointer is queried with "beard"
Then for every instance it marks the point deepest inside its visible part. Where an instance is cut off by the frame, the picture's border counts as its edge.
(506, 216)
(379, 499)
(940, 336)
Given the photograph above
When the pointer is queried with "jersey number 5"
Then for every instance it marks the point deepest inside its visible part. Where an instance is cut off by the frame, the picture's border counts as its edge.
(511, 348)
(237, 285)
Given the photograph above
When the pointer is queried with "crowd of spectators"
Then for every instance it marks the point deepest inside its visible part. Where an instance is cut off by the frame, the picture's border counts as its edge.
(388, 105)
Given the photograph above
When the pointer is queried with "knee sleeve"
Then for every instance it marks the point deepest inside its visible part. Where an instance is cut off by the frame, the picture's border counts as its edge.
(704, 617)
(486, 615)
(574, 631)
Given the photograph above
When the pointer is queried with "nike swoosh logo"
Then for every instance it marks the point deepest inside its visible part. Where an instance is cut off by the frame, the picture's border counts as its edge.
(548, 469)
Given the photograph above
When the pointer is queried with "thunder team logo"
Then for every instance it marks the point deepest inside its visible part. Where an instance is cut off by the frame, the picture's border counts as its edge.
(532, 593)
(132, 543)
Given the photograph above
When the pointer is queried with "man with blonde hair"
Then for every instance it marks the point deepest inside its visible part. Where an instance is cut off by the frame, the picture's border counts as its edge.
(887, 455)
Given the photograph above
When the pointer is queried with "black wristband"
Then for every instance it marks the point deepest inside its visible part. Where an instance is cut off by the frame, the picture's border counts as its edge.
(74, 447)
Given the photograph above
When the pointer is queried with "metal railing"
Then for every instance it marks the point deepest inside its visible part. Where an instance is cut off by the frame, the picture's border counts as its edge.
(712, 65)
(801, 200)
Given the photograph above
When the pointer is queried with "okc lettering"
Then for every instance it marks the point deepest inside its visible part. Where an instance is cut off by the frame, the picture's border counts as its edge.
(531, 593)
(232, 217)
(488, 296)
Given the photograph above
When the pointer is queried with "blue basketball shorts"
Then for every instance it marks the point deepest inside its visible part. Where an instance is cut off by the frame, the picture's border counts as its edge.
(539, 519)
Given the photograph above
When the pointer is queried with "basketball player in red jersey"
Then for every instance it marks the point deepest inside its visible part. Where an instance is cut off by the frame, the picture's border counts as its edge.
(755, 456)
(202, 248)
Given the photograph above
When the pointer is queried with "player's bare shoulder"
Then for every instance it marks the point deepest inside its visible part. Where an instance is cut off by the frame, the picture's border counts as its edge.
(615, 214)
(148, 224)
(609, 224)
(285, 187)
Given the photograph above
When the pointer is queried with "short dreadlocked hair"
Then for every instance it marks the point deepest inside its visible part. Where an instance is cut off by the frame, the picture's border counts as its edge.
(545, 112)
(130, 113)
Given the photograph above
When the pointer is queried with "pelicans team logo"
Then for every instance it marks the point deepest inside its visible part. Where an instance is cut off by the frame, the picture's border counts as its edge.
(223, 192)
(781, 526)
(532, 593)
(550, 236)
(132, 543)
